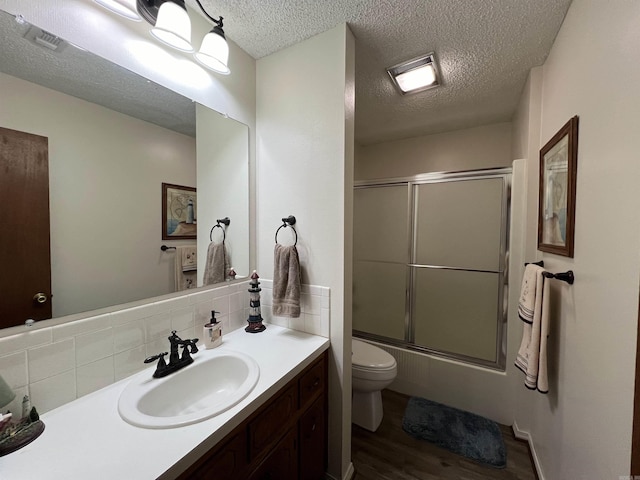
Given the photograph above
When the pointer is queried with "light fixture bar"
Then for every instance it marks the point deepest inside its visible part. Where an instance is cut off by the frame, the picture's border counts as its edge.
(415, 75)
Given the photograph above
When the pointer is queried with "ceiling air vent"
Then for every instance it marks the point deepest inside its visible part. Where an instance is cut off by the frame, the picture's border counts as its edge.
(45, 39)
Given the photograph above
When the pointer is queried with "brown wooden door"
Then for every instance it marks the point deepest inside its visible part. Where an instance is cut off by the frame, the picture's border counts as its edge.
(24, 229)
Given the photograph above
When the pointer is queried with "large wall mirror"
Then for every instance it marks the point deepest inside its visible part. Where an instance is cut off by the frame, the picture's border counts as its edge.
(113, 139)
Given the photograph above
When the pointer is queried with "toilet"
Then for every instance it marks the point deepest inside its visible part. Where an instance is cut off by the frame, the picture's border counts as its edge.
(372, 370)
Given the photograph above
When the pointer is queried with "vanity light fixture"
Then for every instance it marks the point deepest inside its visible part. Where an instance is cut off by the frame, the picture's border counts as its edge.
(172, 26)
(415, 75)
(125, 8)
(214, 50)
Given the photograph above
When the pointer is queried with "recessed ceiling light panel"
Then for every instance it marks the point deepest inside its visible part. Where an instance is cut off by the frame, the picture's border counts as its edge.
(415, 75)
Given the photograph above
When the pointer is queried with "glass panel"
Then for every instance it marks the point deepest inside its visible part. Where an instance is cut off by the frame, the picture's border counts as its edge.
(456, 311)
(458, 223)
(380, 222)
(379, 294)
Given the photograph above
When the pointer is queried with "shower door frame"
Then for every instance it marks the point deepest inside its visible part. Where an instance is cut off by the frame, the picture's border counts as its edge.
(411, 268)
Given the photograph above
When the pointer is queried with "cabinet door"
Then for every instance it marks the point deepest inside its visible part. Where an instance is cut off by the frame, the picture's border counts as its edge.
(282, 462)
(227, 463)
(313, 442)
(312, 383)
(272, 422)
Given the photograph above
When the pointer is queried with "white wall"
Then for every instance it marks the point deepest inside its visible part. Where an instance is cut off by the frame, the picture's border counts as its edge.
(487, 146)
(582, 428)
(223, 187)
(305, 159)
(105, 230)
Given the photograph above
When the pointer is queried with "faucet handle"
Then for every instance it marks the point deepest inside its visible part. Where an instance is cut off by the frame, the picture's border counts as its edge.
(159, 356)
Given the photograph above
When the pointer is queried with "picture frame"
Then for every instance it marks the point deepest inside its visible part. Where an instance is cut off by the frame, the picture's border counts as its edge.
(179, 212)
(557, 192)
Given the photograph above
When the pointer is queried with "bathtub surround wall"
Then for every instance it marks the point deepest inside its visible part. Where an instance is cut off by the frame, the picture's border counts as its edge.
(593, 338)
(57, 364)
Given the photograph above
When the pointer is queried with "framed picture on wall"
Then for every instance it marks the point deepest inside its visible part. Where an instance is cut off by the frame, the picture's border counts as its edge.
(557, 197)
(179, 208)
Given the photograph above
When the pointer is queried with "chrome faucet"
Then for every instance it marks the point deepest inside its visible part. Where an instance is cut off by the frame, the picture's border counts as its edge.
(176, 361)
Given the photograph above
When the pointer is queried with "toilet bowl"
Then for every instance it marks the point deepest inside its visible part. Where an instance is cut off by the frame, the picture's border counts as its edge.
(372, 370)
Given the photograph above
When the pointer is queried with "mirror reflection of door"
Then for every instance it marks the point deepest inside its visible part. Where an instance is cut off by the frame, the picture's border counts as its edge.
(25, 281)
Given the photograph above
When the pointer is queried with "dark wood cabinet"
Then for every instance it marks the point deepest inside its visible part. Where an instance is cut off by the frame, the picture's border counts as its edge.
(281, 462)
(313, 440)
(285, 439)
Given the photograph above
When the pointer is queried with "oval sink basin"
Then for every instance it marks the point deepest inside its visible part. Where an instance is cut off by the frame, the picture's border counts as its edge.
(213, 383)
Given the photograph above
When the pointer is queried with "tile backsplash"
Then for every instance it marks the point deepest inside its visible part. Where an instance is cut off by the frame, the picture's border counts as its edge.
(55, 365)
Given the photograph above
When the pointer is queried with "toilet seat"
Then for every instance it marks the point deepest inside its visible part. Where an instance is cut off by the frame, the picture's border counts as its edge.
(367, 357)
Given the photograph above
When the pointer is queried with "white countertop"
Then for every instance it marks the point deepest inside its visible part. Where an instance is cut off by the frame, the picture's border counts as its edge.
(87, 439)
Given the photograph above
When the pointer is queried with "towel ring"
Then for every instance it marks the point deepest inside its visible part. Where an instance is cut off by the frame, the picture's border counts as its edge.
(226, 222)
(288, 222)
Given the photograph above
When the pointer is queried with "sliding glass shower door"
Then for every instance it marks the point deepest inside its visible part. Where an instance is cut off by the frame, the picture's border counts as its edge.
(381, 257)
(429, 264)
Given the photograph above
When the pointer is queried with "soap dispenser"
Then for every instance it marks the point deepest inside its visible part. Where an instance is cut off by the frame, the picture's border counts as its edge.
(213, 332)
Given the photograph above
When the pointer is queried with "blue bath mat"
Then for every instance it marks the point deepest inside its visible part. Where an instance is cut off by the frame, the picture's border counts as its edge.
(460, 432)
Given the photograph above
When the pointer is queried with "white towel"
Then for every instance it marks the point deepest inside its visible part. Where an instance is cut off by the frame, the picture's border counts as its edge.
(189, 258)
(533, 309)
(286, 281)
(185, 279)
(216, 268)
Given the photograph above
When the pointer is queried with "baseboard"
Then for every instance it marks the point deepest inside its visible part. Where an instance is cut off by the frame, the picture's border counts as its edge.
(526, 436)
(347, 476)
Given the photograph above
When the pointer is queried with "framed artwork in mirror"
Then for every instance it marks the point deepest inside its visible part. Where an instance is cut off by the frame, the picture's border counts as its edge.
(557, 197)
(179, 212)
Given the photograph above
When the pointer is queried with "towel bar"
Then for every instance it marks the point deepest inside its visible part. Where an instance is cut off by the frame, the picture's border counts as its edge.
(567, 276)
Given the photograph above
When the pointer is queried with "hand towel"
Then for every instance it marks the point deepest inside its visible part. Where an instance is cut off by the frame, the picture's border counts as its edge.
(286, 281)
(185, 279)
(526, 303)
(216, 266)
(533, 310)
(189, 258)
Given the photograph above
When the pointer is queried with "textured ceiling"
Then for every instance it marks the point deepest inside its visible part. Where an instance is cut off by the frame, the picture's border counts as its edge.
(484, 49)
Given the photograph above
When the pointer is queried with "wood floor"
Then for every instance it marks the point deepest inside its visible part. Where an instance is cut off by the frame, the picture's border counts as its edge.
(391, 454)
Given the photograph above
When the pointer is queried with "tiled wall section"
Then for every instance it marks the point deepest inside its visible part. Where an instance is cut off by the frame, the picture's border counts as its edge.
(58, 364)
(314, 306)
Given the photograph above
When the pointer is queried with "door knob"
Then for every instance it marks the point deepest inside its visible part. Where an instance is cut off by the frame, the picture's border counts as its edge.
(40, 297)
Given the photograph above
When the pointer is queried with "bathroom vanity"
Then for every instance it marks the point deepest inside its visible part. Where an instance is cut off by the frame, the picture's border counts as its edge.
(284, 439)
(277, 431)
